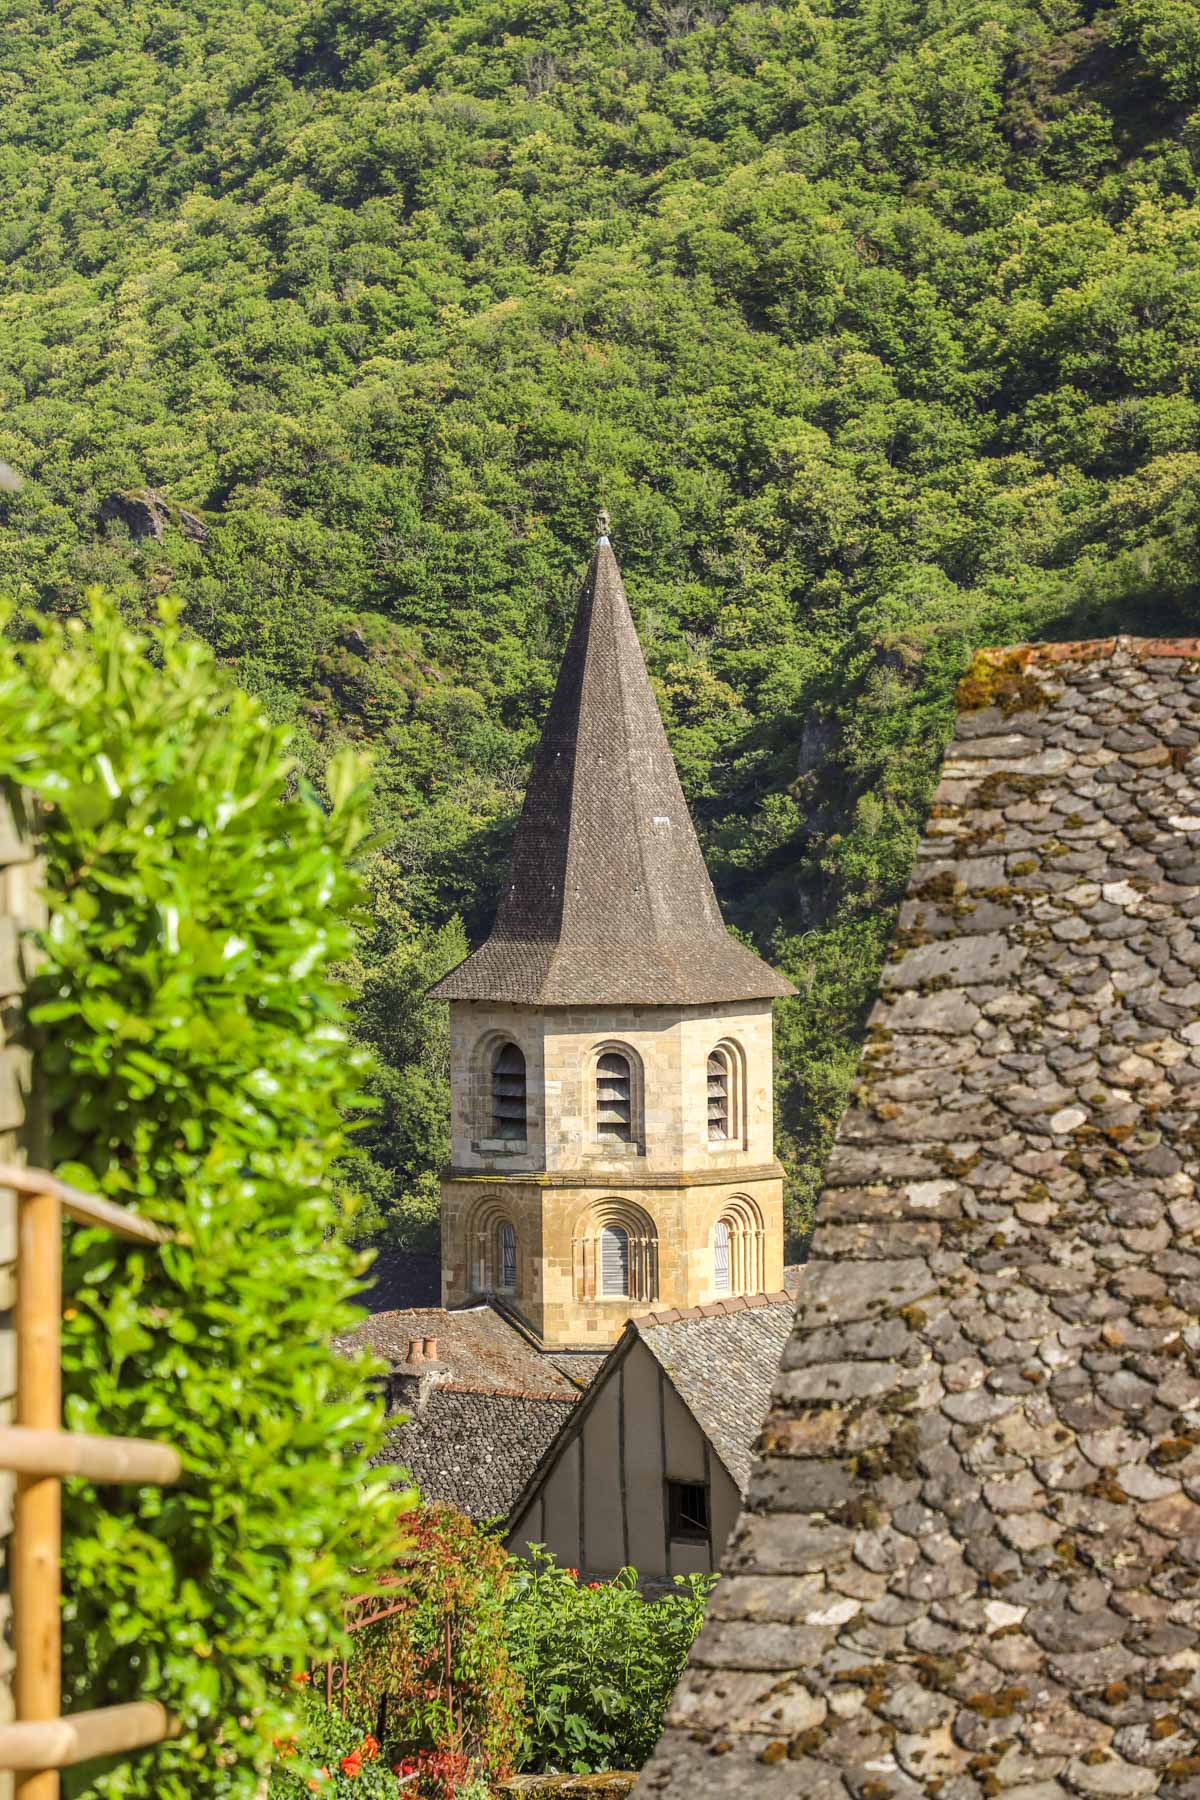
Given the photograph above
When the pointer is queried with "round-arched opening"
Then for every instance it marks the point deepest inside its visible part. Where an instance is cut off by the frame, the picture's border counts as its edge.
(614, 1262)
(721, 1269)
(614, 1098)
(508, 1092)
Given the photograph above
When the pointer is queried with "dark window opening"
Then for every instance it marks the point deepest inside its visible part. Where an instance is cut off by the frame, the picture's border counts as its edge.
(687, 1504)
(614, 1113)
(508, 1257)
(508, 1093)
(718, 1096)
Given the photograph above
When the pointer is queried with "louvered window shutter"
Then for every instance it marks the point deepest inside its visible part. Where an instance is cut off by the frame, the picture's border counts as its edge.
(614, 1107)
(508, 1093)
(614, 1260)
(721, 1257)
(508, 1256)
(718, 1096)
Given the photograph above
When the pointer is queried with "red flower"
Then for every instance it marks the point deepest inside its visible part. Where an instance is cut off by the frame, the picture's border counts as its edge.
(595, 1584)
(573, 1573)
(351, 1765)
(314, 1781)
(369, 1748)
(301, 1678)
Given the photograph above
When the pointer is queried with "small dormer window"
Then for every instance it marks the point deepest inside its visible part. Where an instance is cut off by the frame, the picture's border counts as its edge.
(507, 1247)
(508, 1093)
(718, 1096)
(614, 1103)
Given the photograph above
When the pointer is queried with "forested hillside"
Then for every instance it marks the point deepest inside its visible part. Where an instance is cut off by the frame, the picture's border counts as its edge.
(874, 323)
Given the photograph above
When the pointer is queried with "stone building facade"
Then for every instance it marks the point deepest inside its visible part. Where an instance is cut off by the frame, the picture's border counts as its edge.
(611, 1043)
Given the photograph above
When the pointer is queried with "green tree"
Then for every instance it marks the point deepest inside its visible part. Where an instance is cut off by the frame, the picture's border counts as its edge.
(195, 1060)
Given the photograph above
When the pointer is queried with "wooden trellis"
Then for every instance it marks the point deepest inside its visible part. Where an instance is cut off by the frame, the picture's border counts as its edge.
(41, 1453)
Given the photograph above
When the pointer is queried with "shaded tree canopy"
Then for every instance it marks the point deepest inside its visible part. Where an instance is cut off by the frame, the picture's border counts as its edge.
(873, 322)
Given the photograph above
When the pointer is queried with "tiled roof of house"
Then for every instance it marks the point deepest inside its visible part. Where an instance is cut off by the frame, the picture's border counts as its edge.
(721, 1360)
(970, 1563)
(608, 901)
(473, 1450)
(478, 1351)
(478, 1418)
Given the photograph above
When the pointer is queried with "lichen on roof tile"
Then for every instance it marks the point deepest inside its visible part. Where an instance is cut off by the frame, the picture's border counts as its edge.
(970, 1560)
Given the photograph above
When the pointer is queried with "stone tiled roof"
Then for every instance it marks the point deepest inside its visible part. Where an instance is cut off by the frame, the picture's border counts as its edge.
(721, 1360)
(608, 900)
(579, 1366)
(970, 1564)
(474, 1450)
(476, 1422)
(478, 1351)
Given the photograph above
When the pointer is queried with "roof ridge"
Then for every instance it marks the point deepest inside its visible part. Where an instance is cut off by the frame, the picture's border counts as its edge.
(567, 1394)
(1095, 649)
(716, 1309)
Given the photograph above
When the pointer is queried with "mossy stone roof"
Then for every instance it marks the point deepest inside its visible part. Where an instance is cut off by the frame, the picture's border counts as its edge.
(970, 1560)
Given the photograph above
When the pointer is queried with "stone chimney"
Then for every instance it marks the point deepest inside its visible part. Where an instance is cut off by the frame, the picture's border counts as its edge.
(413, 1379)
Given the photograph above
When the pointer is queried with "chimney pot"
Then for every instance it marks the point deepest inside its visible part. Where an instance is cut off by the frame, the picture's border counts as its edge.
(415, 1352)
(431, 1354)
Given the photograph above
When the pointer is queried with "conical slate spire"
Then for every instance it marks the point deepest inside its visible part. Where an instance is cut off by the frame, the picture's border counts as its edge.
(608, 900)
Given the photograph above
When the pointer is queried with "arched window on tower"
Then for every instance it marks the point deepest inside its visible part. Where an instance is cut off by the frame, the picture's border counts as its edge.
(614, 1098)
(720, 1095)
(508, 1092)
(721, 1275)
(506, 1247)
(737, 1243)
(614, 1252)
(614, 1261)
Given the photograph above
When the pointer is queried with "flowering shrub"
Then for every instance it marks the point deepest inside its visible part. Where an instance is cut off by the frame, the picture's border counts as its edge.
(328, 1755)
(437, 1675)
(599, 1661)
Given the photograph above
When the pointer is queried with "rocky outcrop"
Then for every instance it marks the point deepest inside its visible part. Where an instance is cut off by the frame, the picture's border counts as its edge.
(145, 513)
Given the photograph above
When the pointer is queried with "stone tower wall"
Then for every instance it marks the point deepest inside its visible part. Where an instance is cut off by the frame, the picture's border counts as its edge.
(671, 1183)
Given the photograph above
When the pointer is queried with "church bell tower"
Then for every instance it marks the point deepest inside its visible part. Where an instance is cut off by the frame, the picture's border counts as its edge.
(611, 1056)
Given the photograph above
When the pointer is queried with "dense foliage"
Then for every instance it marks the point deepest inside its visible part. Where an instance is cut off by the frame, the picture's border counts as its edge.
(437, 1677)
(874, 323)
(488, 1661)
(599, 1661)
(194, 1062)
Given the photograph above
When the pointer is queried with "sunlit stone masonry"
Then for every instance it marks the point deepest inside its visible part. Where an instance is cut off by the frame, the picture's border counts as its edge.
(970, 1560)
(611, 1076)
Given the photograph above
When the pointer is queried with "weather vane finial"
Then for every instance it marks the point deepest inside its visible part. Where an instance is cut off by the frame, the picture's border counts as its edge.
(602, 523)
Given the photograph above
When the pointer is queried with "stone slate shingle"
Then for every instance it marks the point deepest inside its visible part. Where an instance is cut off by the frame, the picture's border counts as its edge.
(970, 1561)
(721, 1360)
(476, 1348)
(608, 901)
(475, 1423)
(475, 1451)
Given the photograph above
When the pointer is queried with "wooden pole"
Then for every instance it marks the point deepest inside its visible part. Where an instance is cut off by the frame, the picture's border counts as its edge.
(60, 1743)
(37, 1527)
(104, 1459)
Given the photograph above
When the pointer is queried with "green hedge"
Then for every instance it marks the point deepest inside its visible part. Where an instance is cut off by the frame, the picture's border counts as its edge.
(196, 1063)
